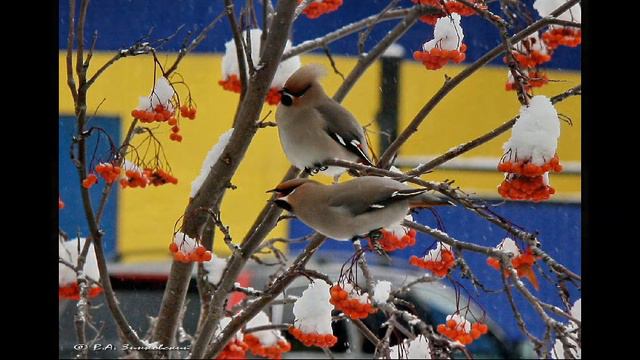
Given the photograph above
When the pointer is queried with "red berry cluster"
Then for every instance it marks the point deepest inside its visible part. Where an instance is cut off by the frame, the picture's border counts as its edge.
(527, 168)
(72, 291)
(187, 112)
(89, 181)
(565, 36)
(200, 254)
(273, 97)
(134, 179)
(464, 10)
(235, 349)
(531, 59)
(525, 180)
(518, 187)
(523, 264)
(155, 177)
(108, 171)
(436, 58)
(353, 308)
(455, 331)
(159, 177)
(232, 83)
(391, 242)
(158, 114)
(313, 339)
(450, 7)
(439, 268)
(270, 352)
(317, 9)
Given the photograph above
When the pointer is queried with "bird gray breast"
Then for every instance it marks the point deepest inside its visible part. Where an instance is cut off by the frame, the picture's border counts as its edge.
(339, 224)
(303, 138)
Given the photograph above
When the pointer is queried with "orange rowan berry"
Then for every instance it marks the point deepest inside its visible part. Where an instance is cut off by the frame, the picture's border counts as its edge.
(89, 181)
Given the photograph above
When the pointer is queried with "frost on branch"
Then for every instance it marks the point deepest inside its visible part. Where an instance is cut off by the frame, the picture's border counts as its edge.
(558, 351)
(530, 153)
(396, 237)
(231, 68)
(186, 249)
(67, 280)
(312, 311)
(521, 262)
(417, 348)
(266, 343)
(558, 35)
(446, 44)
(210, 160)
(439, 260)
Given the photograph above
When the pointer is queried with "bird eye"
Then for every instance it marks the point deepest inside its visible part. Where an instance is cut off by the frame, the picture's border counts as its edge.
(286, 99)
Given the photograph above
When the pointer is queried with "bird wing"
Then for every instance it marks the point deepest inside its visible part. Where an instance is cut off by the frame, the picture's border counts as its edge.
(370, 197)
(343, 128)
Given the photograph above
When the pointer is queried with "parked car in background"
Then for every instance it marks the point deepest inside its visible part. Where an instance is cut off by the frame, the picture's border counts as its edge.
(139, 288)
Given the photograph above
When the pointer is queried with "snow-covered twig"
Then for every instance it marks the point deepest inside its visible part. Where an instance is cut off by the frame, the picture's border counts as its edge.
(470, 145)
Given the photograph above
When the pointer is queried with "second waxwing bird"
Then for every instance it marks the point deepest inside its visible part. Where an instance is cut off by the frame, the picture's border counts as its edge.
(314, 128)
(354, 208)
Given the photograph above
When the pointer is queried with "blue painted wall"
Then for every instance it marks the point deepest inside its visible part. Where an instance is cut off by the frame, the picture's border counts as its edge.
(72, 219)
(122, 22)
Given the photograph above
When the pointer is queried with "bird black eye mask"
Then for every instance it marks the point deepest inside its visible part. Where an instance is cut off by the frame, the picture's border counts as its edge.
(288, 95)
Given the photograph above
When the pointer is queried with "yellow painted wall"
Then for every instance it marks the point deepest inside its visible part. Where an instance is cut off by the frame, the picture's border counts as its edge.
(146, 217)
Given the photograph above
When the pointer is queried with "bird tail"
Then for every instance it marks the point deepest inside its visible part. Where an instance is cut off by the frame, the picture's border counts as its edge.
(426, 200)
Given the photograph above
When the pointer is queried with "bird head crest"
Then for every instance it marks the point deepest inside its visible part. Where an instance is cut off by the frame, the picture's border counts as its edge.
(301, 80)
(287, 187)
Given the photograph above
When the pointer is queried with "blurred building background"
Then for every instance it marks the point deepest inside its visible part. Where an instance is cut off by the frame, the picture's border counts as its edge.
(139, 222)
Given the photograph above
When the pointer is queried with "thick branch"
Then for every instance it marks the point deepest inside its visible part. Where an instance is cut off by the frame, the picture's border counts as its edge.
(70, 81)
(212, 190)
